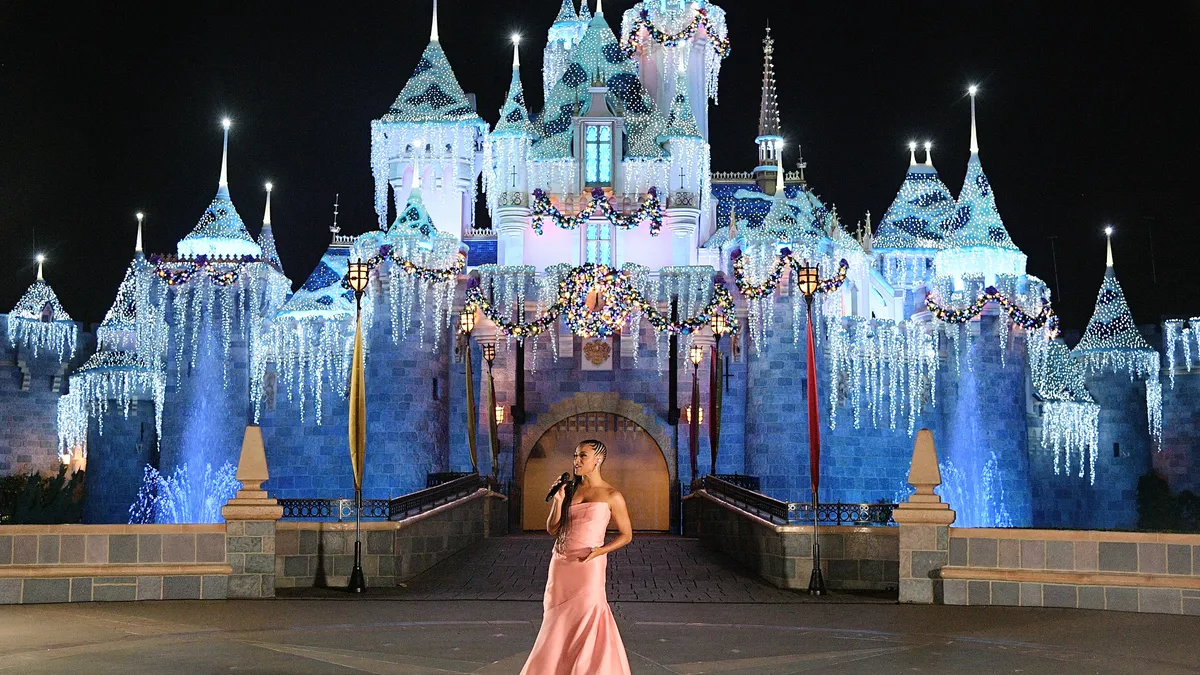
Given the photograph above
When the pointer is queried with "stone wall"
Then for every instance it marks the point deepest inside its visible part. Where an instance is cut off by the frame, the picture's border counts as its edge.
(116, 462)
(1179, 459)
(1133, 572)
(29, 418)
(322, 554)
(84, 563)
(852, 558)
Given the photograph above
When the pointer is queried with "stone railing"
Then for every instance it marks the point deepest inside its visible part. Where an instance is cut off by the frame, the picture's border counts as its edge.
(1123, 571)
(85, 563)
(309, 554)
(852, 558)
(1126, 571)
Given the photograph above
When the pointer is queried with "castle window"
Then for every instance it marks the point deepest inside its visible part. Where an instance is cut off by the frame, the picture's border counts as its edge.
(599, 242)
(597, 155)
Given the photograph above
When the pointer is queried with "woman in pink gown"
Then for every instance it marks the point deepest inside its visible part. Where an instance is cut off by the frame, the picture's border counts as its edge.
(579, 635)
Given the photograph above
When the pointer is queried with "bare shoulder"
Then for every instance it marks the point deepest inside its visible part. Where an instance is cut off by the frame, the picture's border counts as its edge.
(614, 497)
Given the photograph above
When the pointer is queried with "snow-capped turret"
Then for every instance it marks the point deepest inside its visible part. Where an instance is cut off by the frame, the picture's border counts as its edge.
(220, 231)
(976, 241)
(266, 238)
(912, 222)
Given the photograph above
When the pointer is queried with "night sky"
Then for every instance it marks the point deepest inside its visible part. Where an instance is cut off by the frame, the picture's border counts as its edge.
(108, 108)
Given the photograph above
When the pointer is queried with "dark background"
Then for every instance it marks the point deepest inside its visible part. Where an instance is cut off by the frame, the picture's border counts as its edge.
(1087, 116)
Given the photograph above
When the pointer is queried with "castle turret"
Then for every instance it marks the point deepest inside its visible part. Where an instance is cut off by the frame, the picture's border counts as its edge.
(266, 238)
(666, 37)
(770, 138)
(508, 180)
(1113, 355)
(689, 178)
(976, 241)
(431, 124)
(565, 33)
(910, 232)
(220, 233)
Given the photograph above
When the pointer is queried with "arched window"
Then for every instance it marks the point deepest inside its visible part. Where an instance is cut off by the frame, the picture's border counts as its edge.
(597, 155)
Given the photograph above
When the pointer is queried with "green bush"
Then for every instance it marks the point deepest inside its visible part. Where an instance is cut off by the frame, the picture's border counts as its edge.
(1160, 511)
(34, 500)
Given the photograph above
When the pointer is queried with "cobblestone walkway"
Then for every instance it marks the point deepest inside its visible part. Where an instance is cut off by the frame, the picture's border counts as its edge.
(654, 568)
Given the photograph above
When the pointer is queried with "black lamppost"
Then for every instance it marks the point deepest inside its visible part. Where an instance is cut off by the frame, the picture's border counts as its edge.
(489, 355)
(359, 277)
(720, 326)
(466, 324)
(695, 355)
(808, 280)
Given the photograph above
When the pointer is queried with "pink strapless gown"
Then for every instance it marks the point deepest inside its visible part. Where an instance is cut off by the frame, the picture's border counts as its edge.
(579, 635)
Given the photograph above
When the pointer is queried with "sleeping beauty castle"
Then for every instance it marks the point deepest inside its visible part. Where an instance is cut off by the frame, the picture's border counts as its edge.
(624, 290)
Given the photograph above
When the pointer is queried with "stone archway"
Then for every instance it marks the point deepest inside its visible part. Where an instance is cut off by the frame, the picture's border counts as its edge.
(646, 459)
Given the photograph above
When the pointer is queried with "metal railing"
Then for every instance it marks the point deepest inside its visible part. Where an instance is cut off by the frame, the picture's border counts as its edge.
(839, 513)
(430, 498)
(442, 477)
(750, 501)
(795, 513)
(333, 509)
(740, 480)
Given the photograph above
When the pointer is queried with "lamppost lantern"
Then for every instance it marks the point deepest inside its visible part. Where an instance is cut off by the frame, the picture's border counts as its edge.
(807, 280)
(719, 325)
(489, 353)
(360, 276)
(466, 321)
(696, 354)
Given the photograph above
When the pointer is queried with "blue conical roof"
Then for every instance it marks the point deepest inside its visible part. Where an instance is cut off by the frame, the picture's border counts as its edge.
(976, 221)
(566, 13)
(432, 94)
(599, 53)
(913, 221)
(514, 116)
(322, 293)
(1111, 327)
(220, 231)
(681, 122)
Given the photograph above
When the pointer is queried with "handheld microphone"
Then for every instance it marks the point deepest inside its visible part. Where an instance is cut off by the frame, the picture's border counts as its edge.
(562, 480)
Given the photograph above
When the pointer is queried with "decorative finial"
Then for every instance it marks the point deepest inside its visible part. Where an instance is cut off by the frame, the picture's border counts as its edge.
(334, 228)
(516, 40)
(1108, 235)
(433, 33)
(40, 259)
(974, 136)
(137, 247)
(800, 163)
(267, 211)
(929, 153)
(599, 7)
(223, 183)
(912, 153)
(733, 229)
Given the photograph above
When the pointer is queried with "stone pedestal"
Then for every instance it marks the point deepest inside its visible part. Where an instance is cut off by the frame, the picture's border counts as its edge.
(250, 519)
(924, 528)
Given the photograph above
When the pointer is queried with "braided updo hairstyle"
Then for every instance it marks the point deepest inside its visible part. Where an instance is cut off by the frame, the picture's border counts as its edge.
(564, 520)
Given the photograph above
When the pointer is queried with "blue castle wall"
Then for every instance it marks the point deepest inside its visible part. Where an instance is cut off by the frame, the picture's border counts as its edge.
(1178, 461)
(117, 461)
(29, 419)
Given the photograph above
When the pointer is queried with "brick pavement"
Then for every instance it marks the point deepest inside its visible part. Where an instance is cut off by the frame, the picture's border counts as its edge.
(654, 568)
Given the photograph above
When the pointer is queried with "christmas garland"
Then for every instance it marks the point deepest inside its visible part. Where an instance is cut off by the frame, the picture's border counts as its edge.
(755, 291)
(433, 275)
(650, 209)
(1046, 318)
(620, 298)
(633, 38)
(222, 271)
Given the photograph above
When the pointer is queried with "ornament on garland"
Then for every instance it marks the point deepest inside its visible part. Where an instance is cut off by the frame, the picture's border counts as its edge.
(597, 301)
(785, 260)
(670, 26)
(1045, 319)
(651, 209)
(39, 322)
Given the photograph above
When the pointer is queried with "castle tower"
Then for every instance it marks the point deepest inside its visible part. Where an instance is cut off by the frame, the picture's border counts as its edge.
(565, 33)
(910, 232)
(770, 138)
(266, 238)
(689, 176)
(508, 181)
(666, 37)
(432, 125)
(976, 241)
